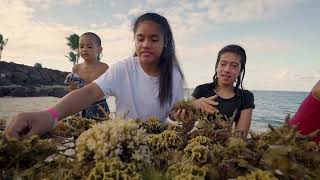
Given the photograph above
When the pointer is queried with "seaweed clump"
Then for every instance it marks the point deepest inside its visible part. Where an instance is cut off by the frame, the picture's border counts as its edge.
(153, 125)
(258, 175)
(19, 157)
(114, 168)
(72, 126)
(133, 149)
(114, 138)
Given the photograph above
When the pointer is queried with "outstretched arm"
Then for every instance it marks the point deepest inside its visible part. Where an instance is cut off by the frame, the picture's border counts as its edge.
(29, 123)
(78, 100)
(244, 122)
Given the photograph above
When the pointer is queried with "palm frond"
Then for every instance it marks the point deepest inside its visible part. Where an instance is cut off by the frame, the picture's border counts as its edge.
(73, 42)
(3, 41)
(72, 57)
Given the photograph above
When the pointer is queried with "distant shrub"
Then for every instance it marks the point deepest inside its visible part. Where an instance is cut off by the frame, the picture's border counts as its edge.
(37, 65)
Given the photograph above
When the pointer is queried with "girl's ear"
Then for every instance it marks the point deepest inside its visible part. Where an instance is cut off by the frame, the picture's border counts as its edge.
(100, 50)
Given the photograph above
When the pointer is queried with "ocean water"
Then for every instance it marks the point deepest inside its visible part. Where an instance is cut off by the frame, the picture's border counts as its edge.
(271, 107)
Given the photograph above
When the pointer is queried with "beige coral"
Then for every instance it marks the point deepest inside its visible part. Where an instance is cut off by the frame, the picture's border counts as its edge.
(125, 139)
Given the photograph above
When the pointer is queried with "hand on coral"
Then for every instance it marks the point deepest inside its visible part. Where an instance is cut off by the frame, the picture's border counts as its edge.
(24, 125)
(206, 104)
(179, 114)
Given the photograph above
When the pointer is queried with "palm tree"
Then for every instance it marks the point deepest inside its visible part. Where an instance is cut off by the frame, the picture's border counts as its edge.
(3, 42)
(72, 57)
(73, 43)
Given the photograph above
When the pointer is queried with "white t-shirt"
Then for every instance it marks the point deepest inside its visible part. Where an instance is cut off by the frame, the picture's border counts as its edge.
(137, 92)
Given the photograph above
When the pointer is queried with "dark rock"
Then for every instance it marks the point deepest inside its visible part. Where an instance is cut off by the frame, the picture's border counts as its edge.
(4, 81)
(8, 74)
(4, 91)
(42, 92)
(19, 78)
(18, 92)
(20, 74)
(58, 92)
(22, 69)
(46, 78)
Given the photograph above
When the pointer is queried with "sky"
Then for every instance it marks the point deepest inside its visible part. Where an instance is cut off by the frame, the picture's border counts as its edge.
(281, 38)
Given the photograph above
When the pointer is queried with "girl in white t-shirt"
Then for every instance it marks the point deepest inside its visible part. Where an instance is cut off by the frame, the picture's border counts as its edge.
(145, 85)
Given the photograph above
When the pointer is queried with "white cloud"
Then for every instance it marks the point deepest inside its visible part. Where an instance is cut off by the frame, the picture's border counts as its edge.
(153, 2)
(252, 45)
(33, 41)
(72, 2)
(284, 80)
(283, 75)
(286, 75)
(44, 4)
(112, 4)
(245, 10)
(188, 17)
(217, 11)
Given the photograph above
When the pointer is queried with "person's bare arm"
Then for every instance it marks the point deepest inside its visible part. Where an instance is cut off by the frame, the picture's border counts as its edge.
(78, 100)
(27, 124)
(244, 122)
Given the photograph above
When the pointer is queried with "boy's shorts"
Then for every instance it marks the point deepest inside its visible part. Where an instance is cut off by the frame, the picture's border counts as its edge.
(93, 111)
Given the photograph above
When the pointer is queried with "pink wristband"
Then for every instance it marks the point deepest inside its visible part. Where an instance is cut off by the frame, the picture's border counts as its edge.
(55, 116)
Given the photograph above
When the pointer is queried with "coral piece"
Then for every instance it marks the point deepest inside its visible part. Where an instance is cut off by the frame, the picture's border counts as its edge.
(114, 138)
(114, 168)
(258, 175)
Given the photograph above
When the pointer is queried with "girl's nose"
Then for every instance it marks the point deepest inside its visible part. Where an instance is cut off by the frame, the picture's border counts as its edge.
(146, 44)
(227, 68)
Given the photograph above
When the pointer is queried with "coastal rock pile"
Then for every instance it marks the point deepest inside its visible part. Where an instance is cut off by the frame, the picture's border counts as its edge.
(21, 80)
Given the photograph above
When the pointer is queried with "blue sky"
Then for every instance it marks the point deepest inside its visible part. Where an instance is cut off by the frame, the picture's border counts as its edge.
(281, 37)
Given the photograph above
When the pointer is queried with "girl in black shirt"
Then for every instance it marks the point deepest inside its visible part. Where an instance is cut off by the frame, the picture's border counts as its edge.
(225, 95)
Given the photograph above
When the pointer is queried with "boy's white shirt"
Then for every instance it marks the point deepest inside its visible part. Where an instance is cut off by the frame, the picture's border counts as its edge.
(136, 92)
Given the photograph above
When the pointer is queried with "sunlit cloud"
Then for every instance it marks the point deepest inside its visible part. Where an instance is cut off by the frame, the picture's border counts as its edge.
(283, 75)
(32, 40)
(245, 10)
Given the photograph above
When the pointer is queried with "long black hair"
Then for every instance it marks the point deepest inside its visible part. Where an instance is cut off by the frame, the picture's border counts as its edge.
(168, 59)
(243, 59)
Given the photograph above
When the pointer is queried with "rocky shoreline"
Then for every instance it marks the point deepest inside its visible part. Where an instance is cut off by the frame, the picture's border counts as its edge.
(19, 80)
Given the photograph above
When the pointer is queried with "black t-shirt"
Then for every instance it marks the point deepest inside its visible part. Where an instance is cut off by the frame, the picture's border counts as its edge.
(232, 107)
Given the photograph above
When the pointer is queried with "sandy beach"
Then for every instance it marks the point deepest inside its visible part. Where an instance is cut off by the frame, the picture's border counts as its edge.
(11, 105)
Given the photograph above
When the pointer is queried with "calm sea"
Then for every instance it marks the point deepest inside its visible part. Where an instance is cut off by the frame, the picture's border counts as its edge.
(271, 106)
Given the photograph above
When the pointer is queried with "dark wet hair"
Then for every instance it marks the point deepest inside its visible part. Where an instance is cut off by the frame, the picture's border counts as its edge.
(95, 36)
(97, 40)
(243, 59)
(168, 59)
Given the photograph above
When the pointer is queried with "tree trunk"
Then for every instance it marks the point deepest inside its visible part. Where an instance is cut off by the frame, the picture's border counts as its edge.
(1, 48)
